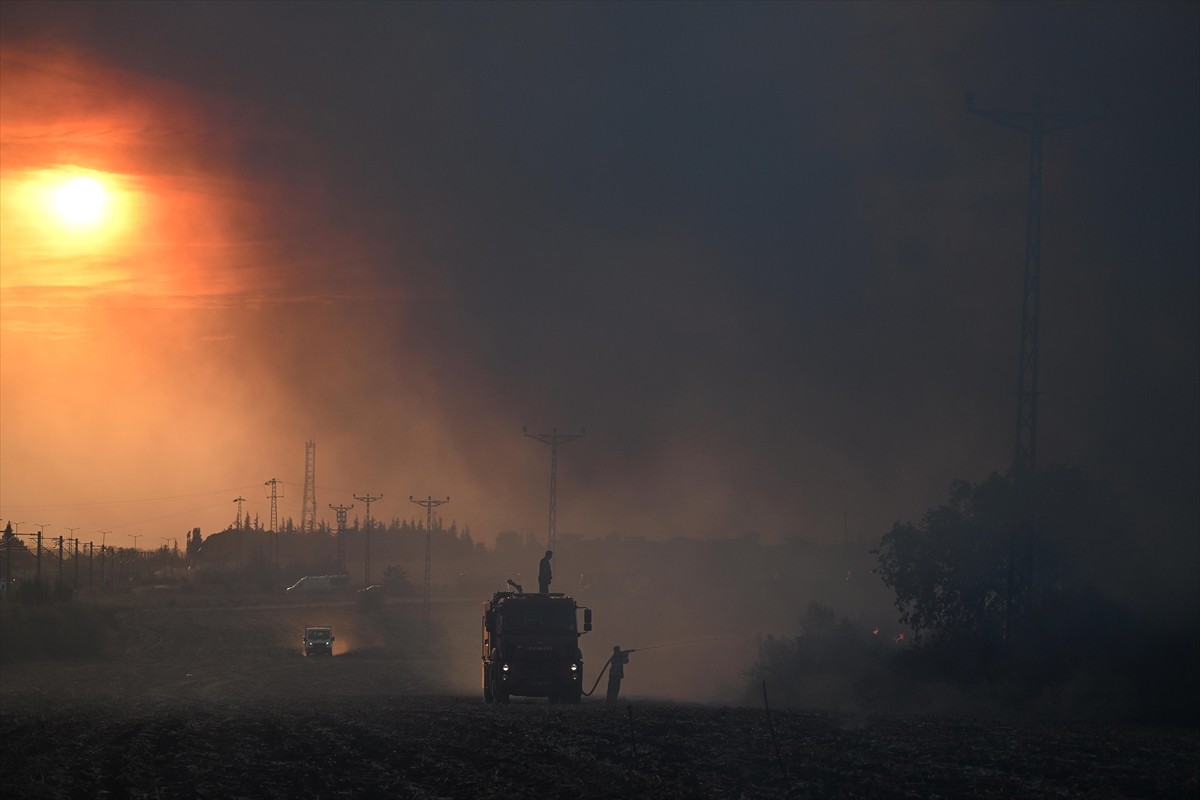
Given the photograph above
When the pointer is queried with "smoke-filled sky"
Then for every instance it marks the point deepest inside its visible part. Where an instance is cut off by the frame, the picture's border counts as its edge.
(760, 252)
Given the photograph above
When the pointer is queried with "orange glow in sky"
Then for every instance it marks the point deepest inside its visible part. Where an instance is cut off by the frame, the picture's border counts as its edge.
(148, 276)
(117, 242)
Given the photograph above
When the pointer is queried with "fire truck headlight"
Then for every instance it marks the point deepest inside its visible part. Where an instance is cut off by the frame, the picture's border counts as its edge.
(504, 668)
(574, 667)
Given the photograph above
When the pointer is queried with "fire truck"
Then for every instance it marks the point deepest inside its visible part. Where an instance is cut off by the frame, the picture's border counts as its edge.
(531, 647)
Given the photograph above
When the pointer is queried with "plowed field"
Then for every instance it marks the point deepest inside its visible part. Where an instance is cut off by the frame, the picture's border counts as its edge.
(219, 703)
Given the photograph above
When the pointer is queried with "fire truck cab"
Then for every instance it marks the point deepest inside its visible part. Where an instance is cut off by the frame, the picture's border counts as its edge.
(531, 647)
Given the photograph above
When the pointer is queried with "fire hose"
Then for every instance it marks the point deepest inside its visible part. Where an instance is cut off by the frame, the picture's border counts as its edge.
(588, 693)
(604, 669)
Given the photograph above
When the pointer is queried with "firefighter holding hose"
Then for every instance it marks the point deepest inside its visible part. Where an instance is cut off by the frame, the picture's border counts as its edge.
(616, 671)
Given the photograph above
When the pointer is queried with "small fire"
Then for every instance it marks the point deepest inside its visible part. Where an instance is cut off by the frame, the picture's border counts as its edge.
(899, 638)
(875, 631)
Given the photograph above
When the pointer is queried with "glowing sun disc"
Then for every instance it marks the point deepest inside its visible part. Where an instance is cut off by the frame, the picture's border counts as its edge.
(81, 201)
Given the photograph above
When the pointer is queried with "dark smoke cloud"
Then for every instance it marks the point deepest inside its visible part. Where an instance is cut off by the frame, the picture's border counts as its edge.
(761, 252)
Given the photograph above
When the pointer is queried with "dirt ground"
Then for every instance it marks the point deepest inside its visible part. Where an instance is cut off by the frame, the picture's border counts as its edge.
(217, 701)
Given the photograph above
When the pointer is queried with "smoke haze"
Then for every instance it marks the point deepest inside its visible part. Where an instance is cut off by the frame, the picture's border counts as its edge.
(759, 252)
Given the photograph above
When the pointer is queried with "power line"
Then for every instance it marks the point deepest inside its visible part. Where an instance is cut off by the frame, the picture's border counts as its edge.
(130, 502)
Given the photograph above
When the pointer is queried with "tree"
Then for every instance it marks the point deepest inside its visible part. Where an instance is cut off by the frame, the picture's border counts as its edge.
(950, 572)
(395, 578)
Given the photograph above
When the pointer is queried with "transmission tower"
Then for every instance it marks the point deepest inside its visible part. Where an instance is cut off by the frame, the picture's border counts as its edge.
(554, 439)
(1036, 124)
(274, 533)
(368, 499)
(308, 509)
(239, 500)
(429, 504)
(341, 535)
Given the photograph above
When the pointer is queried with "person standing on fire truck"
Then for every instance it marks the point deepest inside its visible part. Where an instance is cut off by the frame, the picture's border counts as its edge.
(616, 671)
(545, 575)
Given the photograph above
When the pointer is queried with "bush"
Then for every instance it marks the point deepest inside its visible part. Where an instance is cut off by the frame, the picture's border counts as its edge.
(833, 664)
(1145, 674)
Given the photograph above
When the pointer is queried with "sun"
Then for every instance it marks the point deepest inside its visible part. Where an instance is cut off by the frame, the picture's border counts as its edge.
(81, 202)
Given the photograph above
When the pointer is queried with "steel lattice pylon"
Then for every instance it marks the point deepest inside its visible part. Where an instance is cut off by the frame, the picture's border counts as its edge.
(308, 509)
(1036, 124)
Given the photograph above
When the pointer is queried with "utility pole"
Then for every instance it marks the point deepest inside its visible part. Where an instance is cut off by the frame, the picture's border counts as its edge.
(41, 530)
(341, 534)
(429, 504)
(132, 558)
(554, 439)
(274, 534)
(308, 508)
(9, 536)
(368, 499)
(103, 538)
(76, 556)
(239, 500)
(60, 559)
(1036, 124)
